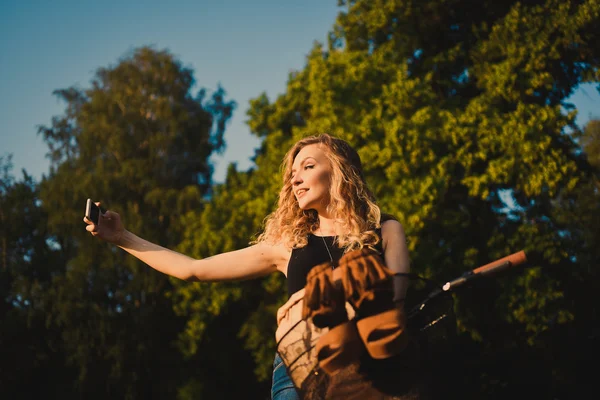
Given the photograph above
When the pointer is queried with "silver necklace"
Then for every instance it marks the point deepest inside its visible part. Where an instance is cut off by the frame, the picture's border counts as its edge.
(325, 243)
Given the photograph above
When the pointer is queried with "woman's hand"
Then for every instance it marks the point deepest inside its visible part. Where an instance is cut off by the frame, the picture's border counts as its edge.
(109, 228)
(288, 314)
(283, 311)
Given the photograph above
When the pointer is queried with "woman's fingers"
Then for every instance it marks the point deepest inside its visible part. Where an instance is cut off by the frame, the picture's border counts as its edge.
(88, 222)
(106, 217)
(90, 227)
(109, 215)
(296, 297)
(283, 311)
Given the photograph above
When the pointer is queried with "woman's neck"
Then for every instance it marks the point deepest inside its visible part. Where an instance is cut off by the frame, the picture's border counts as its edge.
(327, 226)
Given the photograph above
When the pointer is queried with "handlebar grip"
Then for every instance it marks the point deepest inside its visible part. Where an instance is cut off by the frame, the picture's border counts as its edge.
(487, 269)
(514, 260)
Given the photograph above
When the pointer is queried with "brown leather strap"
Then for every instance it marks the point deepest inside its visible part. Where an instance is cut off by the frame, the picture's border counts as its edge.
(384, 334)
(339, 347)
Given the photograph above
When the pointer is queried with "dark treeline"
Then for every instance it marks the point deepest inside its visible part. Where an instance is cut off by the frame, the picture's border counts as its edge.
(459, 111)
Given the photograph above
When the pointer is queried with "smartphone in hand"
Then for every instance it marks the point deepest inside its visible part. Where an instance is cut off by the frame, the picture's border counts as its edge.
(92, 211)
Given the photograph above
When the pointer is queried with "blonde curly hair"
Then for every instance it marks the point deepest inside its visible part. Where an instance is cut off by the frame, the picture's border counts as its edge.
(351, 201)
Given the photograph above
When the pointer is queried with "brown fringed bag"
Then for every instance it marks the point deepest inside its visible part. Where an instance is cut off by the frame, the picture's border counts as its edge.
(297, 335)
(323, 359)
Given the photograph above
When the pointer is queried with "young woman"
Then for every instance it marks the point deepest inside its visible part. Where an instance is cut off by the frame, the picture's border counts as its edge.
(325, 209)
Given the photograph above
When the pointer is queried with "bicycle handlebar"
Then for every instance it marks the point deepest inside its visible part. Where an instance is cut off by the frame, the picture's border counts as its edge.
(514, 259)
(488, 269)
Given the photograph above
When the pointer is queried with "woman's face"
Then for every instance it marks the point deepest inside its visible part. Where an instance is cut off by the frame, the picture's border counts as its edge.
(311, 178)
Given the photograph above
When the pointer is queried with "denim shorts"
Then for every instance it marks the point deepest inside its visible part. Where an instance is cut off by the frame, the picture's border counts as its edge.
(282, 387)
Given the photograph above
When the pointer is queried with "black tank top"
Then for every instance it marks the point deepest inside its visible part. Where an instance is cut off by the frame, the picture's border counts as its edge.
(314, 253)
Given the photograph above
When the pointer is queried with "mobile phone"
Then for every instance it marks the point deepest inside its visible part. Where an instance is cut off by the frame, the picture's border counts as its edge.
(92, 211)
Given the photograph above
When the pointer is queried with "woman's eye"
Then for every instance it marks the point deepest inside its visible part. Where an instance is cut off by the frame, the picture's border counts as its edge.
(308, 166)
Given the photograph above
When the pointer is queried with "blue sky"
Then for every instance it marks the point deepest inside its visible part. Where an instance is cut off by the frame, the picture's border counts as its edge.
(246, 46)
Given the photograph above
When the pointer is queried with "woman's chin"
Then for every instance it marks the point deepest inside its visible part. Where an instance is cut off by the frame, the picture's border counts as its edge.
(304, 205)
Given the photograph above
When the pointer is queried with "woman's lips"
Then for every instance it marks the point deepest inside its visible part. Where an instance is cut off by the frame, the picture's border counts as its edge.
(301, 192)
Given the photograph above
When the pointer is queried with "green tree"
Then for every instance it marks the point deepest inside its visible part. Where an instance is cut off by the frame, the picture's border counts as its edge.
(28, 261)
(138, 140)
(456, 109)
(591, 142)
(577, 217)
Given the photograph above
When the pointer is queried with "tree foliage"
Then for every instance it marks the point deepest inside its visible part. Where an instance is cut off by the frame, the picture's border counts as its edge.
(28, 263)
(139, 140)
(457, 110)
(460, 113)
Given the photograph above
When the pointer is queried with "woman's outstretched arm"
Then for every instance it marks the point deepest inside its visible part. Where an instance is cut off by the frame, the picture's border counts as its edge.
(250, 262)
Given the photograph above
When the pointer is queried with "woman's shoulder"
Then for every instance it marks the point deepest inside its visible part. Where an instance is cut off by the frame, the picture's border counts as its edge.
(277, 251)
(389, 227)
(392, 230)
(387, 217)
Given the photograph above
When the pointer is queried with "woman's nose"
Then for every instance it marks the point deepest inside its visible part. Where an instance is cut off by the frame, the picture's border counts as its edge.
(297, 179)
